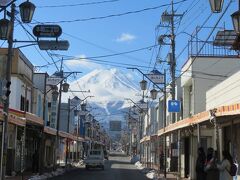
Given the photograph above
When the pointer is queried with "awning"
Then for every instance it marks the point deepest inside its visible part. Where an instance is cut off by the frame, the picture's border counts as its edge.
(15, 117)
(144, 139)
(201, 117)
(33, 119)
(50, 131)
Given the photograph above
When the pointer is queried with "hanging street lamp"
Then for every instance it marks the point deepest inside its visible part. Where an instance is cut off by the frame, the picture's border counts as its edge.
(4, 29)
(216, 5)
(236, 21)
(143, 85)
(26, 11)
(65, 87)
(154, 93)
(83, 106)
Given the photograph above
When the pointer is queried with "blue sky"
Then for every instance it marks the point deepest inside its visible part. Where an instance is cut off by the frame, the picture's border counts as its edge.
(117, 34)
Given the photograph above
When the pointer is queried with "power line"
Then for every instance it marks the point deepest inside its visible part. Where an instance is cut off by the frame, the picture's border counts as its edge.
(195, 57)
(121, 53)
(110, 16)
(79, 4)
(101, 47)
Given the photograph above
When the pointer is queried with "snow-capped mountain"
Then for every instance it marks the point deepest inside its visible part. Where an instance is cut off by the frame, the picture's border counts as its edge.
(110, 88)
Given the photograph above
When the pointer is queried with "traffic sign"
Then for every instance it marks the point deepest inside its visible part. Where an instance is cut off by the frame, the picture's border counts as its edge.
(156, 77)
(53, 80)
(174, 106)
(53, 45)
(47, 31)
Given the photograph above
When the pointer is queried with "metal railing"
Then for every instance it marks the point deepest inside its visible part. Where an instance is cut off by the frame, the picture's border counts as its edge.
(208, 49)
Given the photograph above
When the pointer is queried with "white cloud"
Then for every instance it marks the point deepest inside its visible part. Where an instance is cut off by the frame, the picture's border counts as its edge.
(126, 37)
(82, 63)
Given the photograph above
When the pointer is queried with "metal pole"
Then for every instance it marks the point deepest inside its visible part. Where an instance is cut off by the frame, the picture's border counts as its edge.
(239, 5)
(58, 116)
(164, 125)
(67, 147)
(198, 135)
(179, 154)
(6, 102)
(42, 154)
(173, 63)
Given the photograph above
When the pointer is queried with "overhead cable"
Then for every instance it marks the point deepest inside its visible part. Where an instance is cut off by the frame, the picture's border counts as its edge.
(109, 16)
(78, 4)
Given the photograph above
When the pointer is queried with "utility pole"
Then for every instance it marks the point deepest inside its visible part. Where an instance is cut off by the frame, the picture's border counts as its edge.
(170, 19)
(58, 116)
(68, 123)
(6, 102)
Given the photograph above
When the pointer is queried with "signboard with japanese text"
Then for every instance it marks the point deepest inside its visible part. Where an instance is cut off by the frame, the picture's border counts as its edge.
(47, 30)
(53, 80)
(156, 77)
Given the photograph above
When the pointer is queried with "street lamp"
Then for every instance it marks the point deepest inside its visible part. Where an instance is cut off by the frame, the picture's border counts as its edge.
(4, 29)
(83, 106)
(143, 85)
(65, 87)
(236, 21)
(154, 93)
(216, 5)
(26, 11)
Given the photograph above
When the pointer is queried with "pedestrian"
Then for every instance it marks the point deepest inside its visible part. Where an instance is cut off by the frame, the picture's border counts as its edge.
(225, 166)
(236, 163)
(210, 165)
(35, 161)
(201, 159)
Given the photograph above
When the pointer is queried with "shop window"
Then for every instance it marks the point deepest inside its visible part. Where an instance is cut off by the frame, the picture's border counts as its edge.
(23, 106)
(22, 103)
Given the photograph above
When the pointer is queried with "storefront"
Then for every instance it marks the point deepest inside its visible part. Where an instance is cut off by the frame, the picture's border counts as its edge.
(49, 138)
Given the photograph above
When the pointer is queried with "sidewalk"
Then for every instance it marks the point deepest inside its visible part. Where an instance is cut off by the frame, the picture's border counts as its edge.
(26, 176)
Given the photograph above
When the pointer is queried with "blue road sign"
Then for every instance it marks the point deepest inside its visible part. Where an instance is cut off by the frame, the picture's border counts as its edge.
(174, 106)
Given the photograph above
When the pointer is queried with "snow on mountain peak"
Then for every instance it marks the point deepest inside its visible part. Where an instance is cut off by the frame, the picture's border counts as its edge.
(110, 88)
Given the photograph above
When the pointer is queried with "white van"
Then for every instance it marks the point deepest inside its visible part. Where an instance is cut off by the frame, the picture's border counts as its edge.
(95, 159)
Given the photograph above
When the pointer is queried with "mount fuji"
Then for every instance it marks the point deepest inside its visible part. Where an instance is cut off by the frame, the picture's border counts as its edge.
(109, 87)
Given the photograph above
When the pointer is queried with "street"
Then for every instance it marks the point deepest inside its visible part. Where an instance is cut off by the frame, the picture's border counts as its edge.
(118, 167)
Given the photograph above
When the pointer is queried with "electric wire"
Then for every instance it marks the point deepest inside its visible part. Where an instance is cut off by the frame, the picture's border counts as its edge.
(116, 54)
(78, 4)
(110, 16)
(210, 34)
(28, 35)
(101, 47)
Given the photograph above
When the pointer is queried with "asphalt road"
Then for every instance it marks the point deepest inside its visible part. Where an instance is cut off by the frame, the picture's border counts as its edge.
(118, 167)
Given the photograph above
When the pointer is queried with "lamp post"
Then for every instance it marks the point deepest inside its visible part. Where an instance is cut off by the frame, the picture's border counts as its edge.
(6, 33)
(63, 88)
(153, 94)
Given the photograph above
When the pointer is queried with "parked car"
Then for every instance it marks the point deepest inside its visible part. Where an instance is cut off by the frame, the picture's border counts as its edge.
(95, 159)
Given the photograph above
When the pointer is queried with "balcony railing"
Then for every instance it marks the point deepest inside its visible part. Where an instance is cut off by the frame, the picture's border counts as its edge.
(208, 49)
